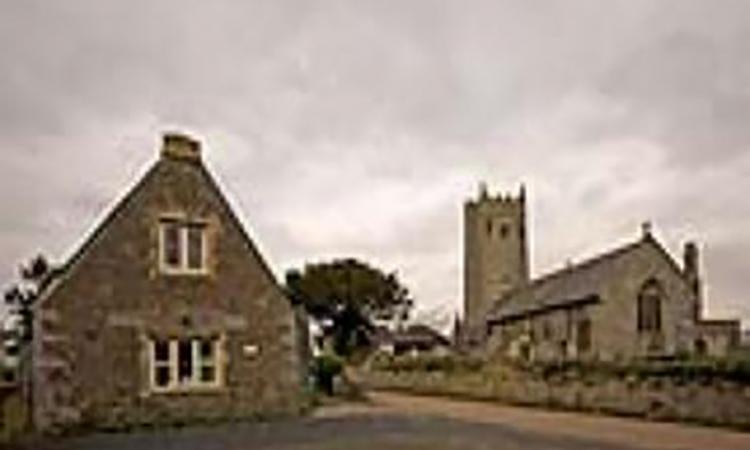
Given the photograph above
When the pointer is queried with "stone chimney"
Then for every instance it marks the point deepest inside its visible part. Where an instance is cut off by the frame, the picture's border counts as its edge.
(646, 230)
(691, 270)
(691, 259)
(180, 146)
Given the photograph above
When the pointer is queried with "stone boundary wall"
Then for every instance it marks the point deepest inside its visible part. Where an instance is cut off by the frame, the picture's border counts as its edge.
(716, 403)
(13, 414)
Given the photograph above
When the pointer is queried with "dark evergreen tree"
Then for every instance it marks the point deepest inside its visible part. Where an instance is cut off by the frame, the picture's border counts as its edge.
(21, 296)
(351, 295)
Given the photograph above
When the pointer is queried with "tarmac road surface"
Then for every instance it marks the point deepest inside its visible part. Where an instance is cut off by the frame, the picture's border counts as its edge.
(395, 421)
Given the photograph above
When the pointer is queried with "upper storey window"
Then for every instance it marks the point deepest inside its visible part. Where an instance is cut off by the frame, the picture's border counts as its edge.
(182, 246)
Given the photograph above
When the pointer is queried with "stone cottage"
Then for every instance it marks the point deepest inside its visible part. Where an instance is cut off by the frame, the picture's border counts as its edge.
(413, 340)
(166, 314)
(634, 301)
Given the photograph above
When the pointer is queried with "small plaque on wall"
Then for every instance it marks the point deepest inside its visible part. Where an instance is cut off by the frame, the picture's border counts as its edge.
(250, 350)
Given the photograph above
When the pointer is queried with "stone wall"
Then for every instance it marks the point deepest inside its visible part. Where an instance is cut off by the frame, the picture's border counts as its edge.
(707, 402)
(13, 413)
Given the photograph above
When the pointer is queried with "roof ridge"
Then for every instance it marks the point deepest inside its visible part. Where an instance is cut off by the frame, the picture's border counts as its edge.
(559, 287)
(121, 203)
(98, 228)
(587, 262)
(233, 215)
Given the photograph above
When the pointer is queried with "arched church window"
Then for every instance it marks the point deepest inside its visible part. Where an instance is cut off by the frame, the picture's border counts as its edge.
(650, 301)
(546, 330)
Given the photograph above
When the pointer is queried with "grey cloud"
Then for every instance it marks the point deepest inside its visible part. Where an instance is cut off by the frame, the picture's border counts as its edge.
(683, 90)
(344, 127)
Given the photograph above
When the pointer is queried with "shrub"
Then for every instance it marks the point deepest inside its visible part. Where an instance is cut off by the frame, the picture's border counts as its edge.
(7, 375)
(325, 368)
(679, 370)
(704, 370)
(426, 363)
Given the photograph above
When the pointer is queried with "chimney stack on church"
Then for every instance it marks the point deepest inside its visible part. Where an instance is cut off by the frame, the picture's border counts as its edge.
(691, 259)
(181, 146)
(691, 268)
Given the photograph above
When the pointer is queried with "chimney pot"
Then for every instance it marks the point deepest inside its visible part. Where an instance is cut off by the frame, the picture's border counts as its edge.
(180, 146)
(646, 229)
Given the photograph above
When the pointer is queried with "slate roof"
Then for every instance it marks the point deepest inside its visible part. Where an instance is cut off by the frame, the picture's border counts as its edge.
(412, 335)
(571, 286)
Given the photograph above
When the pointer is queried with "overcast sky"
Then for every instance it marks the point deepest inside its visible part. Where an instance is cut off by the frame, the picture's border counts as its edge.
(360, 127)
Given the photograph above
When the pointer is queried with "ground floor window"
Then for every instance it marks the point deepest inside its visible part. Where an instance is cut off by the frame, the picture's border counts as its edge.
(650, 300)
(583, 340)
(701, 347)
(186, 363)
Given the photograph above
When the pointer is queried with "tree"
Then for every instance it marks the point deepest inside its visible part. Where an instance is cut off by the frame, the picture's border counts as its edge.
(351, 295)
(20, 297)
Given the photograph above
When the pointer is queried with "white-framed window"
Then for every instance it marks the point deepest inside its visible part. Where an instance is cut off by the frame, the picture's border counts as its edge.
(182, 246)
(185, 363)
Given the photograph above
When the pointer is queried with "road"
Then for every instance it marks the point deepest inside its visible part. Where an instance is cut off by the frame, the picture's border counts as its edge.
(395, 421)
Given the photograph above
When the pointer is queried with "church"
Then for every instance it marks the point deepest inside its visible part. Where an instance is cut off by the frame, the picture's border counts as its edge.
(632, 302)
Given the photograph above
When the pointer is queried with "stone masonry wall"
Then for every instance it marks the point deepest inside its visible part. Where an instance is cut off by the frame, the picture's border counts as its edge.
(708, 403)
(91, 351)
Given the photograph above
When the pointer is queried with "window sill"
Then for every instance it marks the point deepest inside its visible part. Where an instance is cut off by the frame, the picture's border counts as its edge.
(184, 272)
(188, 390)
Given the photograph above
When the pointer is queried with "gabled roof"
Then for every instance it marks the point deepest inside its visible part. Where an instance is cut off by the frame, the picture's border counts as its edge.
(571, 286)
(61, 272)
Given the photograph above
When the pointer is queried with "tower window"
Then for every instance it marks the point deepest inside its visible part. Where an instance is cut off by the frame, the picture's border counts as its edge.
(504, 230)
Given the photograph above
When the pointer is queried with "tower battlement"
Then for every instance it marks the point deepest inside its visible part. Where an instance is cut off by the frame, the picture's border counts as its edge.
(498, 199)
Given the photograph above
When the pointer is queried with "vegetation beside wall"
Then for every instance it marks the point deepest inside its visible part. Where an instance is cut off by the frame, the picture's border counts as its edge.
(325, 369)
(707, 391)
(426, 363)
(736, 370)
(13, 414)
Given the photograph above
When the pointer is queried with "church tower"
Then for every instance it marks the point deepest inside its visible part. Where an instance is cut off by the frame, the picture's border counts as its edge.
(495, 251)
